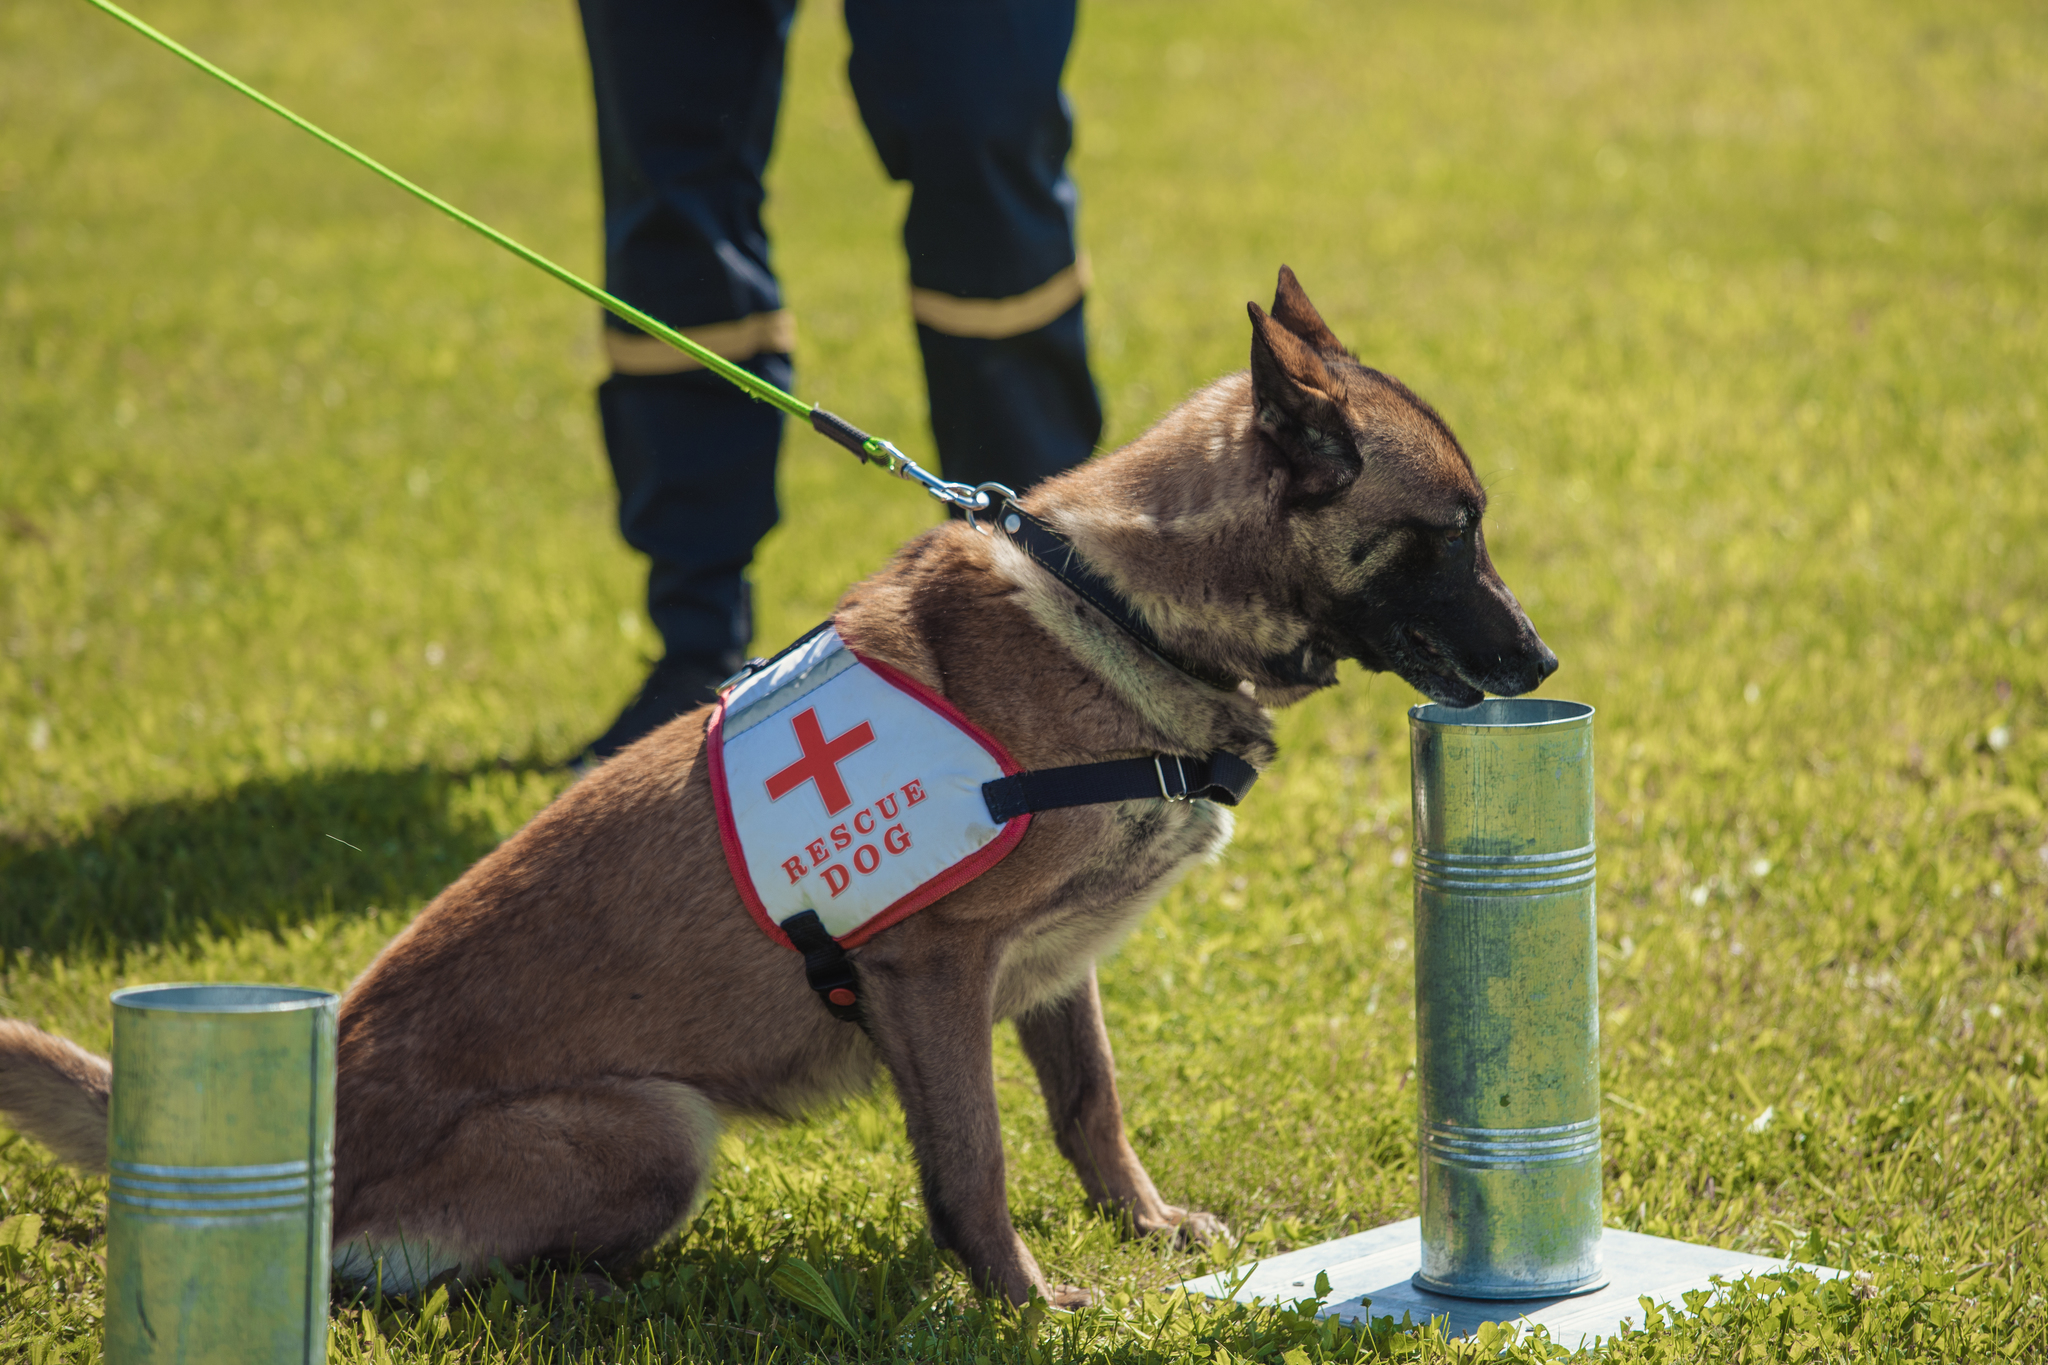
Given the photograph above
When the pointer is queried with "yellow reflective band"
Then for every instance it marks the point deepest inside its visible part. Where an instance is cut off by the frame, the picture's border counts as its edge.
(741, 339)
(992, 319)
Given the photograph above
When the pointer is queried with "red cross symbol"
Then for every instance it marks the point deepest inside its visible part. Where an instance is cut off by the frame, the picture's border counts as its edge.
(821, 760)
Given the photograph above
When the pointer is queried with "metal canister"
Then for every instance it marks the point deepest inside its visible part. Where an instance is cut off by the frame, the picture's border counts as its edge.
(220, 1155)
(1507, 1017)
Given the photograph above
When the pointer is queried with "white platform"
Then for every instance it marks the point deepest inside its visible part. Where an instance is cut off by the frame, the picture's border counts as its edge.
(1374, 1267)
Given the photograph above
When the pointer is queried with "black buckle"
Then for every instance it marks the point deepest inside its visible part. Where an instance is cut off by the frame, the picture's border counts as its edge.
(826, 966)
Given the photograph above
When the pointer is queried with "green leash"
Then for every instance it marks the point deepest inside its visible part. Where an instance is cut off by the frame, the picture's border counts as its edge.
(871, 449)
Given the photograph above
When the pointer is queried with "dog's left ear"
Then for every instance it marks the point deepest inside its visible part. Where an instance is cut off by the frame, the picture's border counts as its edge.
(1292, 310)
(1299, 406)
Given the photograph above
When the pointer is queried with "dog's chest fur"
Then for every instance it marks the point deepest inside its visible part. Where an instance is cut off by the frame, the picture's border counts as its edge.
(1150, 851)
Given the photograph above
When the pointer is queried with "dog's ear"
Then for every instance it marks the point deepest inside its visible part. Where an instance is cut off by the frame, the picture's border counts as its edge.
(1292, 310)
(1300, 408)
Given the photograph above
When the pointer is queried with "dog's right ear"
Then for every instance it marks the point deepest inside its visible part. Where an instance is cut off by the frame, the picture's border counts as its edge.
(1292, 310)
(1300, 406)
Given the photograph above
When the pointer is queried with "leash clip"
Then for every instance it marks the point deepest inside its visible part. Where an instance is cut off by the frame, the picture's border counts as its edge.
(967, 497)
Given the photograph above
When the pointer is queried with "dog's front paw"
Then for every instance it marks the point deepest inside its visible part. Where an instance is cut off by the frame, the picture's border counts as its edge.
(1069, 1296)
(1185, 1227)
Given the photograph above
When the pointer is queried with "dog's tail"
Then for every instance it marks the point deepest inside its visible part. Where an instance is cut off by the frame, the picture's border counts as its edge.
(55, 1092)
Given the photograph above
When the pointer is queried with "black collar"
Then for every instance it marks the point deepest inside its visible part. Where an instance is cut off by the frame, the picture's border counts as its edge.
(1055, 554)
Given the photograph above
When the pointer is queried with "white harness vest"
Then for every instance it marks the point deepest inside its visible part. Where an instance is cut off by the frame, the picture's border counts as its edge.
(846, 788)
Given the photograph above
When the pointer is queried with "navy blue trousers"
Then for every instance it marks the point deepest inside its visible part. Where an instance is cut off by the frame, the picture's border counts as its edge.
(962, 99)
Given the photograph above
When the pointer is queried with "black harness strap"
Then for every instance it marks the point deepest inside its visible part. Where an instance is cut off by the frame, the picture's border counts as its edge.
(1221, 777)
(1055, 554)
(826, 967)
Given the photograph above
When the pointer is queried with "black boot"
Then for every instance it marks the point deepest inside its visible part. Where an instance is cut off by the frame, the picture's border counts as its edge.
(675, 685)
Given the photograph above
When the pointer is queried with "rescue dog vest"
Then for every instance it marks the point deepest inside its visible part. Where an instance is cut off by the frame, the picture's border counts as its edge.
(850, 795)
(849, 790)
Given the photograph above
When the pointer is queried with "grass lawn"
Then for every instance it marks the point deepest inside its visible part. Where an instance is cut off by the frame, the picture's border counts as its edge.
(308, 578)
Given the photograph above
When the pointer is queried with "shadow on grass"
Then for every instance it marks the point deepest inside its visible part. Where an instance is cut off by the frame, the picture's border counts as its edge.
(268, 855)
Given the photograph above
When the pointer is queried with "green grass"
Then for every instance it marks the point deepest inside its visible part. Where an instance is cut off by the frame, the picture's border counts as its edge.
(305, 538)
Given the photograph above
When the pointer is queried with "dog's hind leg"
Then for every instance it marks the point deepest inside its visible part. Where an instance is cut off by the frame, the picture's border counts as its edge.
(1069, 1047)
(599, 1172)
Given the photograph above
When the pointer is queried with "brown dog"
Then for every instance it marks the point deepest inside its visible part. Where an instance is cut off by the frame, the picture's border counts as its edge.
(540, 1063)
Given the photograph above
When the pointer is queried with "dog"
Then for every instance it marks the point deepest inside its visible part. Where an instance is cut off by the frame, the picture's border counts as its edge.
(539, 1064)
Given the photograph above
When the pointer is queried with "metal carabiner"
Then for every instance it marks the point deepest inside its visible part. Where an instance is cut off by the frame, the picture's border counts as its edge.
(969, 499)
(987, 497)
(881, 452)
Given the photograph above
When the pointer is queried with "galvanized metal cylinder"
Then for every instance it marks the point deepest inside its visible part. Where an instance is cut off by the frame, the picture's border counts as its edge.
(220, 1154)
(1507, 1016)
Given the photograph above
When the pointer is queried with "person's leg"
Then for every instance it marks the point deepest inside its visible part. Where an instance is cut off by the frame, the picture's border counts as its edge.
(687, 92)
(962, 99)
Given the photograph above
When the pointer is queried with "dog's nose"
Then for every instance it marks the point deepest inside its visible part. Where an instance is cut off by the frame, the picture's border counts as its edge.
(1546, 662)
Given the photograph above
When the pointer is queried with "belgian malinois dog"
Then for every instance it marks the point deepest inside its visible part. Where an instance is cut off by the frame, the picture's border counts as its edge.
(539, 1064)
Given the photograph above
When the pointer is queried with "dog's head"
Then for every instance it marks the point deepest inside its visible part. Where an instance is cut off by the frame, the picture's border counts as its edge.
(1383, 518)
